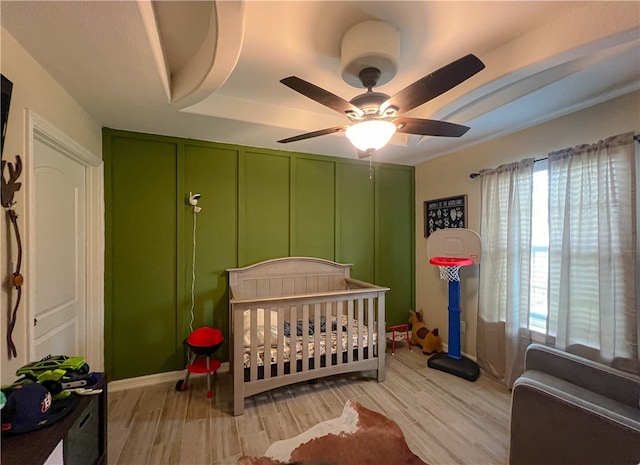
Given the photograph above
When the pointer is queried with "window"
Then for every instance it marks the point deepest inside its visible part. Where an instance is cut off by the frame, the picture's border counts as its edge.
(559, 257)
(538, 290)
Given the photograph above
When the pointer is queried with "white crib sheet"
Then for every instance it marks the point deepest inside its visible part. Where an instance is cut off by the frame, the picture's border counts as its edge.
(311, 344)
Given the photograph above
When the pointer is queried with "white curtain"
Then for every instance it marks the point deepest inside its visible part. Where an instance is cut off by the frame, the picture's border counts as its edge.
(592, 252)
(505, 230)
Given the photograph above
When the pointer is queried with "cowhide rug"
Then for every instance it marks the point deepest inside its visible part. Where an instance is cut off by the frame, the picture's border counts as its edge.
(359, 437)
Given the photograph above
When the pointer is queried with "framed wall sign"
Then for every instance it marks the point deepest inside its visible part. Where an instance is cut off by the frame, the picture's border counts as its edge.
(448, 212)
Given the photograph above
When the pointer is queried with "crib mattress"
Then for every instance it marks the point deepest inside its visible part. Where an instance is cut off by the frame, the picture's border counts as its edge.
(333, 345)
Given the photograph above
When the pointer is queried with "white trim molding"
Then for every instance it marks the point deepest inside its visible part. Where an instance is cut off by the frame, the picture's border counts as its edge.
(37, 128)
(157, 378)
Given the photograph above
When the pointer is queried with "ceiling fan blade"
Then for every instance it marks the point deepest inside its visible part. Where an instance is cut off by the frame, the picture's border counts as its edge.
(323, 97)
(309, 135)
(434, 84)
(429, 127)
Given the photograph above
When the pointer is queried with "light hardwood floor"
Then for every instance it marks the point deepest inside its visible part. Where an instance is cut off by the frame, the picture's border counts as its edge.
(445, 419)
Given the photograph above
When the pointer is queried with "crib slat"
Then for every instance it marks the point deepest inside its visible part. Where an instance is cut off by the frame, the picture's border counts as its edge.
(280, 360)
(382, 341)
(371, 326)
(305, 337)
(361, 324)
(237, 342)
(293, 334)
(267, 343)
(253, 351)
(349, 347)
(316, 335)
(327, 333)
(339, 332)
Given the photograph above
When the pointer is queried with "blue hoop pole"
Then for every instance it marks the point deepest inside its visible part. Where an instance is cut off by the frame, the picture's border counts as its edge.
(454, 320)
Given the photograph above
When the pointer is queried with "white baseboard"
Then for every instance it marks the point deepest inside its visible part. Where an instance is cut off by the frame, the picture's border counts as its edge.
(174, 376)
(150, 380)
(445, 347)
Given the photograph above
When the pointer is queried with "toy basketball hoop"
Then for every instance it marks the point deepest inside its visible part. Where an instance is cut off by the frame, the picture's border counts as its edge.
(451, 249)
(450, 266)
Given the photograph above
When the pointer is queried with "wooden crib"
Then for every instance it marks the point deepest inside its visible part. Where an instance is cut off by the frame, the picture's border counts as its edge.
(296, 319)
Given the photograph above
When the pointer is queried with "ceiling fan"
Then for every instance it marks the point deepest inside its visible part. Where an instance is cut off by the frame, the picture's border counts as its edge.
(376, 116)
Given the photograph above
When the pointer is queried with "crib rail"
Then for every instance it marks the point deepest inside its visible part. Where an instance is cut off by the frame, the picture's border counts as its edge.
(269, 296)
(354, 318)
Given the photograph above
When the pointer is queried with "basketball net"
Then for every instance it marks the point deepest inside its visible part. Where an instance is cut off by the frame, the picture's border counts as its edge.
(449, 273)
(450, 267)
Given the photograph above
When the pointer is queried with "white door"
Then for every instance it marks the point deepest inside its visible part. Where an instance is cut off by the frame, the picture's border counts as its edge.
(58, 248)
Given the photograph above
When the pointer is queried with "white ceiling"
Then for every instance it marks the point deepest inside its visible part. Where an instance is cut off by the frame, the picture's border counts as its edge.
(211, 71)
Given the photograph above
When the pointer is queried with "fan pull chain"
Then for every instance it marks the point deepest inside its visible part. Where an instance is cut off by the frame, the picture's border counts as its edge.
(370, 168)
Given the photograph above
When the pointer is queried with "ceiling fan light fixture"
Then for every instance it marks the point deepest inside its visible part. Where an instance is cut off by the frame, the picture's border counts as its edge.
(370, 135)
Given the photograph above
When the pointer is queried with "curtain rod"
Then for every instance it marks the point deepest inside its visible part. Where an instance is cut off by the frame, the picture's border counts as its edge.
(476, 174)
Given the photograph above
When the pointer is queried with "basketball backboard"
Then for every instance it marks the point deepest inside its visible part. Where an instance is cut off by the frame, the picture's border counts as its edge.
(455, 243)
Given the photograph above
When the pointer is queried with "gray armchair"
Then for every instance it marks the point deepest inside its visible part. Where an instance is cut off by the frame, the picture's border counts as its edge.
(568, 410)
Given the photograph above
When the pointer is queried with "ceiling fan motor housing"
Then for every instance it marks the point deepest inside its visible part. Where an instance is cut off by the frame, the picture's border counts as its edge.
(371, 44)
(369, 103)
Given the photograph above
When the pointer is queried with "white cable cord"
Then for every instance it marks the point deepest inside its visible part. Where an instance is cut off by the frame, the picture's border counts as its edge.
(193, 270)
(371, 167)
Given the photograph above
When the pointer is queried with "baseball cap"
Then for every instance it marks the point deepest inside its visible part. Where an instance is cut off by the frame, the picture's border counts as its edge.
(30, 407)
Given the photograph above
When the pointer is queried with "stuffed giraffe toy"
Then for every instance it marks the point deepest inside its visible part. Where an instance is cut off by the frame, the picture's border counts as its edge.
(423, 337)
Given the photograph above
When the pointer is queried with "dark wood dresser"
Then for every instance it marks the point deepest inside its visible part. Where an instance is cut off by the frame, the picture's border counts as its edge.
(83, 433)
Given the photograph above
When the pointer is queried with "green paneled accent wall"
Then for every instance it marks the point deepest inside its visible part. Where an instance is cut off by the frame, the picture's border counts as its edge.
(314, 209)
(142, 237)
(394, 241)
(265, 191)
(256, 204)
(356, 213)
(213, 173)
